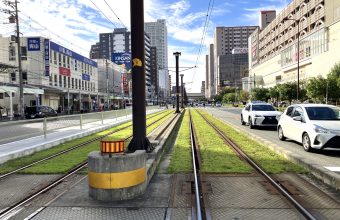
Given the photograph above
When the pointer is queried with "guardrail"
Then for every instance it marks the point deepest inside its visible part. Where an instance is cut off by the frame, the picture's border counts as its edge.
(17, 130)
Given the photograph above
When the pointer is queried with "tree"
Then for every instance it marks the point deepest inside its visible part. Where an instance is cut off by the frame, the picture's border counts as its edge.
(333, 82)
(316, 88)
(244, 96)
(229, 97)
(288, 91)
(260, 94)
(274, 92)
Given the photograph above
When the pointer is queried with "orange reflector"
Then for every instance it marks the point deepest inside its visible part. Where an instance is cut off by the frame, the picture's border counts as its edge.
(112, 146)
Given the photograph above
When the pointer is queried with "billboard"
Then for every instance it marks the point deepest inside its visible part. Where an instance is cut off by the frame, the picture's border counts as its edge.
(122, 59)
(64, 71)
(33, 44)
(85, 77)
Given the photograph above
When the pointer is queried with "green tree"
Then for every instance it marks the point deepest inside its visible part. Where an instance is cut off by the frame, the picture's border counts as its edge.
(244, 96)
(274, 92)
(260, 94)
(333, 82)
(229, 97)
(316, 88)
(288, 91)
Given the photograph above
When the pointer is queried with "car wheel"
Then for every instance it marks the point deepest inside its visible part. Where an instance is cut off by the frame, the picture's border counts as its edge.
(280, 134)
(306, 142)
(242, 122)
(251, 126)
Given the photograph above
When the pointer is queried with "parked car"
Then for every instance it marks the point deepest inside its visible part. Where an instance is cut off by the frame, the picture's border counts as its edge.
(218, 104)
(259, 114)
(39, 112)
(316, 126)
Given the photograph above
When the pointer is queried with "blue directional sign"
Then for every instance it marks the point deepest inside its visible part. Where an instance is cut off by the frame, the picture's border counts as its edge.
(86, 77)
(122, 59)
(33, 44)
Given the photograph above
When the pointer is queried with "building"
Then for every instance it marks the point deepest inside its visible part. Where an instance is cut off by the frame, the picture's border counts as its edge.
(52, 75)
(111, 87)
(154, 76)
(266, 17)
(159, 38)
(227, 40)
(117, 45)
(211, 75)
(203, 88)
(273, 51)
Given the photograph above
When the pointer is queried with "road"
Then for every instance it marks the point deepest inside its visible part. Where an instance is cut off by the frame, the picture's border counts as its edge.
(325, 158)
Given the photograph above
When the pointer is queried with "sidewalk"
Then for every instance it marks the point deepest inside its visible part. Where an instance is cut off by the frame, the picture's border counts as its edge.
(28, 146)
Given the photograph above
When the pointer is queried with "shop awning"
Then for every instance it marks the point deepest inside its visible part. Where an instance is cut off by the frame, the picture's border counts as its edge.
(14, 89)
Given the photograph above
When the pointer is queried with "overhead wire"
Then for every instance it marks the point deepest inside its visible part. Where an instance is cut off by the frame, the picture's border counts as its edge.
(205, 29)
(103, 14)
(115, 14)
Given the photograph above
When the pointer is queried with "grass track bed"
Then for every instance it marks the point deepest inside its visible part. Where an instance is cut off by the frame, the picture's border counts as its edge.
(62, 163)
(266, 158)
(217, 157)
(181, 155)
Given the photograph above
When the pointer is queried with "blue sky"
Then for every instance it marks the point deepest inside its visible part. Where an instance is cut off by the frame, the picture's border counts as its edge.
(76, 24)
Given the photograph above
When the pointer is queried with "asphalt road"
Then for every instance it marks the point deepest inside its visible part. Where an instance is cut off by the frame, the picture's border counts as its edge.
(325, 158)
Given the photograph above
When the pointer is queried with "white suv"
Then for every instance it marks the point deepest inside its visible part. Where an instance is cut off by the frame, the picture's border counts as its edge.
(259, 114)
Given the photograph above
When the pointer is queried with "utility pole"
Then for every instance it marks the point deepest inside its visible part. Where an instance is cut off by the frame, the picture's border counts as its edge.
(177, 54)
(139, 140)
(14, 14)
(107, 83)
(182, 91)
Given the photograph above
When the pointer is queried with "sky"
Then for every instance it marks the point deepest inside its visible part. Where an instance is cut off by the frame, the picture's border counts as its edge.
(76, 24)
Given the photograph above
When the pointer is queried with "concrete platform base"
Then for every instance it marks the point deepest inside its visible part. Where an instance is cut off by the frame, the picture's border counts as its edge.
(117, 177)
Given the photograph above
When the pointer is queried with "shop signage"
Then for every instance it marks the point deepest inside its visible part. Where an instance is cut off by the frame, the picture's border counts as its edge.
(33, 44)
(122, 59)
(47, 56)
(64, 71)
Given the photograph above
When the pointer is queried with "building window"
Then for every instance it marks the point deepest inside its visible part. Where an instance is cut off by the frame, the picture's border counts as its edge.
(13, 76)
(59, 56)
(72, 83)
(75, 65)
(55, 80)
(68, 62)
(68, 82)
(55, 57)
(64, 81)
(23, 53)
(60, 81)
(11, 51)
(24, 77)
(64, 61)
(1, 96)
(50, 81)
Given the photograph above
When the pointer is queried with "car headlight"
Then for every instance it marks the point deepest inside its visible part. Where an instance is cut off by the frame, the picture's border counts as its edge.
(256, 115)
(319, 129)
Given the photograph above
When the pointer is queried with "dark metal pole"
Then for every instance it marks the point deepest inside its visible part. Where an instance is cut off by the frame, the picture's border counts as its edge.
(177, 54)
(182, 91)
(139, 140)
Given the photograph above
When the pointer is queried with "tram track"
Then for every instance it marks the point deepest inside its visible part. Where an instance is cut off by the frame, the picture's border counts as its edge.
(275, 183)
(10, 209)
(72, 148)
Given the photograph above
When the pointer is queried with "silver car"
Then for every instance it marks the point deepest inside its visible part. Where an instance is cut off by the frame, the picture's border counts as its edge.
(316, 126)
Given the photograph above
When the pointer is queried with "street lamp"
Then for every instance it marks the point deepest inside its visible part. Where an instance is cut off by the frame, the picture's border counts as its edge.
(298, 57)
(177, 54)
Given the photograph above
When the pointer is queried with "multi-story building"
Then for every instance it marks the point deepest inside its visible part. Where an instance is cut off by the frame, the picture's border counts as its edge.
(266, 17)
(119, 41)
(154, 76)
(226, 39)
(203, 88)
(52, 75)
(159, 39)
(314, 25)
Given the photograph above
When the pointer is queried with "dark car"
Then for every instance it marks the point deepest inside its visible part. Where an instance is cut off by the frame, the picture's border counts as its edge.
(39, 112)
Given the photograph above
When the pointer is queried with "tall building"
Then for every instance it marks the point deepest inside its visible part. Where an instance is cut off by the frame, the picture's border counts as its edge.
(154, 71)
(206, 92)
(274, 51)
(159, 38)
(211, 73)
(119, 41)
(203, 88)
(229, 40)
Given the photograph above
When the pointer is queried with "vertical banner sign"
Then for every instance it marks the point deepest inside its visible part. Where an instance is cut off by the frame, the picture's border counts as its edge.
(33, 44)
(47, 56)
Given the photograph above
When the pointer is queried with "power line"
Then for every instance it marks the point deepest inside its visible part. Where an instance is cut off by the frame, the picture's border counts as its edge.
(205, 29)
(115, 14)
(103, 14)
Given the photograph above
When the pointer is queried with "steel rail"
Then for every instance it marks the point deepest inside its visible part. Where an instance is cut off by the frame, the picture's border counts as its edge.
(195, 171)
(71, 149)
(284, 192)
(6, 211)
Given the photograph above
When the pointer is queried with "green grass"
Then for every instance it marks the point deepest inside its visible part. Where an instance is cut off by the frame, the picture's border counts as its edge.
(266, 158)
(181, 155)
(63, 163)
(216, 156)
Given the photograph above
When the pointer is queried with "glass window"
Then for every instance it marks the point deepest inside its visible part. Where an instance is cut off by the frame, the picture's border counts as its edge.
(11, 51)
(59, 56)
(298, 112)
(323, 113)
(23, 53)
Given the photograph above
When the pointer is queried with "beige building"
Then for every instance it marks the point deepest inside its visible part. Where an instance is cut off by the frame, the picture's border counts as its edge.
(274, 52)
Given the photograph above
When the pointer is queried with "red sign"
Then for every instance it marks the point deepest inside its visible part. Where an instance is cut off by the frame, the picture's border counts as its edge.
(64, 71)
